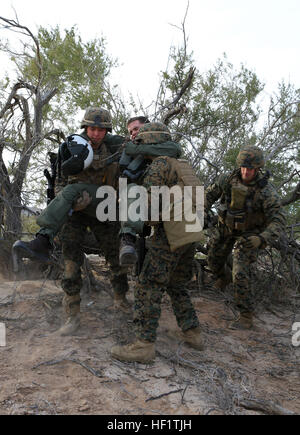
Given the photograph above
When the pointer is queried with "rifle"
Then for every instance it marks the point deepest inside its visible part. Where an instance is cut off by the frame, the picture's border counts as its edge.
(51, 177)
(210, 220)
(142, 249)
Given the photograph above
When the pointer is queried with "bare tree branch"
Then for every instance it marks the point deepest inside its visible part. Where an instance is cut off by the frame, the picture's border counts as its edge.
(294, 196)
(14, 24)
(173, 112)
(185, 86)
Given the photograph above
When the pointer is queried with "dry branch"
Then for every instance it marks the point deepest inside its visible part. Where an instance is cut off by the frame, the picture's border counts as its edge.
(164, 394)
(185, 86)
(294, 196)
(85, 366)
(173, 112)
(13, 25)
(270, 408)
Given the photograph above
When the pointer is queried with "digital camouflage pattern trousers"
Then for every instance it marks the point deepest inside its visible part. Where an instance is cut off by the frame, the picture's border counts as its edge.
(162, 271)
(72, 238)
(221, 245)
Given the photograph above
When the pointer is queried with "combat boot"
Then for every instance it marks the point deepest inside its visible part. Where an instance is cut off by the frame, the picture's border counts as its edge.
(141, 351)
(38, 248)
(71, 305)
(244, 321)
(128, 255)
(193, 337)
(121, 303)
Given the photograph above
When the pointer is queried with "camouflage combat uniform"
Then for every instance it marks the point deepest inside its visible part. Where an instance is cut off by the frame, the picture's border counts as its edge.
(166, 267)
(261, 216)
(163, 270)
(73, 232)
(107, 234)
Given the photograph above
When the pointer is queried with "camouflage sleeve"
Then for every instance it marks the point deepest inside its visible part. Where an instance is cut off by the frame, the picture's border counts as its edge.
(114, 142)
(157, 174)
(275, 217)
(214, 191)
(170, 149)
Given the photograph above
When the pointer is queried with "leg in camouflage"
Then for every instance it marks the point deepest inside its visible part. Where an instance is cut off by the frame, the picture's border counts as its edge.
(181, 302)
(72, 236)
(57, 212)
(159, 266)
(107, 236)
(162, 270)
(242, 259)
(128, 232)
(220, 246)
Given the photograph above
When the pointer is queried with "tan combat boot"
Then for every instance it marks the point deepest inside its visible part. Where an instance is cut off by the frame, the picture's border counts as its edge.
(141, 351)
(194, 338)
(244, 321)
(121, 303)
(71, 305)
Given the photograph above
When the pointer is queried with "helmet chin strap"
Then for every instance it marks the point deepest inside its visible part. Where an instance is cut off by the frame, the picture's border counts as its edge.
(94, 145)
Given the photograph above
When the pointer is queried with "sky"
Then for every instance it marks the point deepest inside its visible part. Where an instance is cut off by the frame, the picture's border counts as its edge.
(264, 35)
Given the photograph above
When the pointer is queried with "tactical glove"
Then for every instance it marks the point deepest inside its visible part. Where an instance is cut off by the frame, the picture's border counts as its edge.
(82, 202)
(252, 242)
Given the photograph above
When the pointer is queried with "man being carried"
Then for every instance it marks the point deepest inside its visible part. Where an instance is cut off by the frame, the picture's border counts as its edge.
(139, 155)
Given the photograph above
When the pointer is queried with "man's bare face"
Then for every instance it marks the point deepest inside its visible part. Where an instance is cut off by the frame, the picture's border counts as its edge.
(96, 135)
(248, 174)
(133, 128)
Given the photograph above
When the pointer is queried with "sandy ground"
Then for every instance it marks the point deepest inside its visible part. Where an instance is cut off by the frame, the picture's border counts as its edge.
(239, 372)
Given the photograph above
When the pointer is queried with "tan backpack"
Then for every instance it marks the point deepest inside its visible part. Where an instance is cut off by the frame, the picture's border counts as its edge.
(177, 230)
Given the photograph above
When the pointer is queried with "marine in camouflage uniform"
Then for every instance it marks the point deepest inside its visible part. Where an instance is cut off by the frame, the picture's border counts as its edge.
(97, 125)
(250, 217)
(107, 234)
(73, 232)
(163, 270)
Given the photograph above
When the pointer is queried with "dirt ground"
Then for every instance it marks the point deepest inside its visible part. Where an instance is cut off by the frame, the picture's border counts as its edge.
(239, 372)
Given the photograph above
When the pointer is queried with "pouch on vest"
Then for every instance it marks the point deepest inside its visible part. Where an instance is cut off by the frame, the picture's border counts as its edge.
(239, 193)
(178, 236)
(235, 220)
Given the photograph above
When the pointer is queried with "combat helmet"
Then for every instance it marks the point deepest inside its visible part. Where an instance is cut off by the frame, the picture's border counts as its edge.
(250, 157)
(153, 132)
(97, 117)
